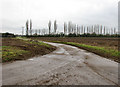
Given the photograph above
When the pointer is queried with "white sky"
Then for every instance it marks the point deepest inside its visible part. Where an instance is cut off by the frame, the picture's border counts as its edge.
(86, 12)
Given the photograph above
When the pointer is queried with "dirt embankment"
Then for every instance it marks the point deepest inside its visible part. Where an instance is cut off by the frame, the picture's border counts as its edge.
(27, 48)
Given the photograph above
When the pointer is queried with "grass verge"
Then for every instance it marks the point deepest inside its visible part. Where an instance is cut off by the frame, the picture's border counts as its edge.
(11, 53)
(34, 41)
(102, 51)
(39, 43)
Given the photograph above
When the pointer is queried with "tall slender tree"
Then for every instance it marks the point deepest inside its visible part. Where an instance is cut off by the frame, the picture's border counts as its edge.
(65, 28)
(49, 26)
(104, 30)
(92, 29)
(78, 30)
(82, 32)
(30, 27)
(98, 29)
(101, 29)
(27, 27)
(55, 26)
(95, 29)
(84, 29)
(114, 30)
(74, 28)
(39, 31)
(87, 30)
(69, 27)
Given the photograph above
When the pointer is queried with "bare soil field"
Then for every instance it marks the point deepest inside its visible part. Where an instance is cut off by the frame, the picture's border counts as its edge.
(94, 41)
(17, 49)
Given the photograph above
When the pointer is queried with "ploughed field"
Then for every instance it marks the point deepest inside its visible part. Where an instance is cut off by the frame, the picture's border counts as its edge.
(106, 47)
(94, 41)
(21, 49)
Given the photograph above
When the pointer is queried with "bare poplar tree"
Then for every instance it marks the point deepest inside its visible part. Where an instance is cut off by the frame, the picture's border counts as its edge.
(114, 30)
(39, 31)
(87, 30)
(69, 27)
(65, 28)
(95, 29)
(55, 26)
(92, 29)
(27, 27)
(49, 26)
(98, 29)
(74, 28)
(78, 30)
(30, 27)
(109, 31)
(104, 30)
(84, 29)
(101, 29)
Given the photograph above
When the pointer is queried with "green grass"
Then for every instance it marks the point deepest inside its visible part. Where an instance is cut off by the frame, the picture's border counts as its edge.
(39, 43)
(44, 44)
(33, 42)
(103, 51)
(11, 53)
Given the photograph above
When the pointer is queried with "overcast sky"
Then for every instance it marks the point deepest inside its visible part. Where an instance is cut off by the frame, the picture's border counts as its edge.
(81, 12)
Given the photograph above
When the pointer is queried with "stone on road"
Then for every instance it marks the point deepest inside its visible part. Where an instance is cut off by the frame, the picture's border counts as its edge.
(67, 65)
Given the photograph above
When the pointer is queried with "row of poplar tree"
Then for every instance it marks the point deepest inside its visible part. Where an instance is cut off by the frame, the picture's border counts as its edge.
(71, 28)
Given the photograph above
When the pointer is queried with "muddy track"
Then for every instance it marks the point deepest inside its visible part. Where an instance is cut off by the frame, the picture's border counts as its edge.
(67, 65)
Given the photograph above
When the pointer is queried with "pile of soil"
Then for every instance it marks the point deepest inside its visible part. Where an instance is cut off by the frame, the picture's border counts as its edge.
(34, 49)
